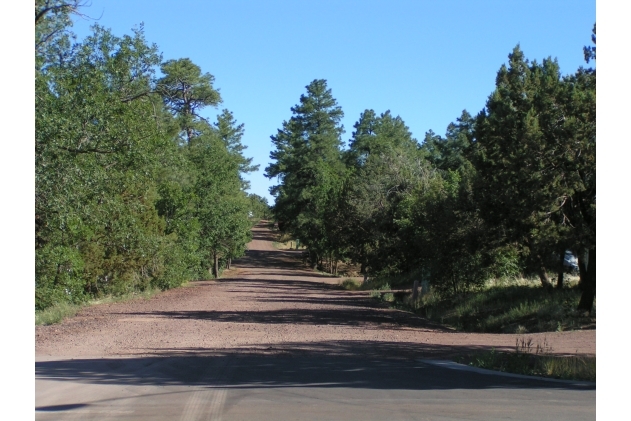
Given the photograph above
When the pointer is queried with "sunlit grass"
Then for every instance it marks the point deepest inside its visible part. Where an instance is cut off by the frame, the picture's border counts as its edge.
(56, 313)
(60, 311)
(350, 284)
(541, 364)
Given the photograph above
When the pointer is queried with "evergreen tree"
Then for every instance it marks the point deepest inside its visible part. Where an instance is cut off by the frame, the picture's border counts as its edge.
(185, 90)
(307, 162)
(535, 157)
(231, 134)
(386, 169)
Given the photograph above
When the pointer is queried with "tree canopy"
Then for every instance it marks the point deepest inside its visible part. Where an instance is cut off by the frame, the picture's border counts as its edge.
(134, 190)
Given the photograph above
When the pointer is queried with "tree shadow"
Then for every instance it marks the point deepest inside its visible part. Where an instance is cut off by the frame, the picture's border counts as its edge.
(349, 364)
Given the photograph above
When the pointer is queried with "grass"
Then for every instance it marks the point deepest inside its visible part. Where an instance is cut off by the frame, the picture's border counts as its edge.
(56, 313)
(502, 306)
(350, 284)
(520, 306)
(60, 311)
(287, 245)
(535, 361)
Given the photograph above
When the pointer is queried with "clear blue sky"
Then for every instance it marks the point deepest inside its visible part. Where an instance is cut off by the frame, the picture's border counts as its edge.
(423, 60)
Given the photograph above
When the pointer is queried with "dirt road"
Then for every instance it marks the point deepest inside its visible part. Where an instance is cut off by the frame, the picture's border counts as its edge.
(157, 358)
(270, 303)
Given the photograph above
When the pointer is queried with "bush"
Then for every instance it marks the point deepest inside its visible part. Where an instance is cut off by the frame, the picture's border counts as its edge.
(58, 276)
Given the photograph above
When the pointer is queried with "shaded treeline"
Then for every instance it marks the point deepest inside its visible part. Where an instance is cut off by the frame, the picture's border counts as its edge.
(134, 189)
(502, 193)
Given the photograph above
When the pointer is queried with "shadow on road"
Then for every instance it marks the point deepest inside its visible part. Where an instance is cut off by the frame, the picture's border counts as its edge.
(272, 259)
(360, 317)
(348, 364)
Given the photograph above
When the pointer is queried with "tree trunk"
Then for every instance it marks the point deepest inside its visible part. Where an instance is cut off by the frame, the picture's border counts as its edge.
(216, 265)
(561, 269)
(543, 275)
(313, 258)
(414, 291)
(588, 281)
(229, 263)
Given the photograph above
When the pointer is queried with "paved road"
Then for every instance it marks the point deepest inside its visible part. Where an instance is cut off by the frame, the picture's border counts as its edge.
(277, 387)
(319, 356)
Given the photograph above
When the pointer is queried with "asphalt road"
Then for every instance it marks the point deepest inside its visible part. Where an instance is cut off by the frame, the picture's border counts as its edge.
(294, 387)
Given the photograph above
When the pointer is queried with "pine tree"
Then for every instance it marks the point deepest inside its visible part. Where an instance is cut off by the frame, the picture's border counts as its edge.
(307, 162)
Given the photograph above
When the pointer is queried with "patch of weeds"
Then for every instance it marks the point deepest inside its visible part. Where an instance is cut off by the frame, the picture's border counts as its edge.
(60, 311)
(374, 294)
(388, 296)
(535, 360)
(379, 294)
(350, 284)
(502, 306)
(56, 313)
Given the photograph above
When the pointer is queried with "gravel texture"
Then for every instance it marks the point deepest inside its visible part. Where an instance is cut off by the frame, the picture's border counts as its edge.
(269, 303)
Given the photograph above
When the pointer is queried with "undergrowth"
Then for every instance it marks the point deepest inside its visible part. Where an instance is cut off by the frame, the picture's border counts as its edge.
(535, 360)
(350, 284)
(504, 306)
(520, 307)
(60, 311)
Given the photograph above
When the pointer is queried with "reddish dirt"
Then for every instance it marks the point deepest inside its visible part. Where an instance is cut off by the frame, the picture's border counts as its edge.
(270, 303)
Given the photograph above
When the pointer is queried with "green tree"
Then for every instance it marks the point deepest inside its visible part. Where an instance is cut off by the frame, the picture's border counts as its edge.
(221, 205)
(308, 165)
(535, 156)
(231, 134)
(185, 90)
(97, 150)
(386, 167)
(449, 153)
(259, 206)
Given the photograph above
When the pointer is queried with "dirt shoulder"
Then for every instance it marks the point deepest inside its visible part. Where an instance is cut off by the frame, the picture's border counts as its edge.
(270, 303)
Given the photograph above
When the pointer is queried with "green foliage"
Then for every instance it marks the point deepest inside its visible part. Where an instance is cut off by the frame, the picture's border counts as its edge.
(509, 306)
(308, 165)
(350, 285)
(501, 194)
(123, 204)
(534, 153)
(259, 207)
(185, 90)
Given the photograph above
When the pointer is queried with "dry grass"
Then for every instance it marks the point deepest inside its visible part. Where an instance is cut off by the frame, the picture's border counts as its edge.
(535, 360)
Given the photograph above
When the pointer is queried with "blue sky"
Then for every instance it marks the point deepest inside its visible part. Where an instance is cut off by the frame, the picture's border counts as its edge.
(423, 60)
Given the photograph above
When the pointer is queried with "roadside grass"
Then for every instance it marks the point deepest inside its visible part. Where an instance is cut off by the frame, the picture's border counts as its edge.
(60, 311)
(534, 361)
(350, 284)
(285, 242)
(56, 313)
(518, 307)
(286, 245)
(501, 306)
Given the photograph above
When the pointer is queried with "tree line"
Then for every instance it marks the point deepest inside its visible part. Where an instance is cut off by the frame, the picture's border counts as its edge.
(134, 188)
(502, 193)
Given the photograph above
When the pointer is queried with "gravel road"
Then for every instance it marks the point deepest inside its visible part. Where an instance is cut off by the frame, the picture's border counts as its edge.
(270, 303)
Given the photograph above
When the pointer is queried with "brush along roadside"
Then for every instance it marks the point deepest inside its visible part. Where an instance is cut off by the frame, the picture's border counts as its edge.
(517, 306)
(534, 360)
